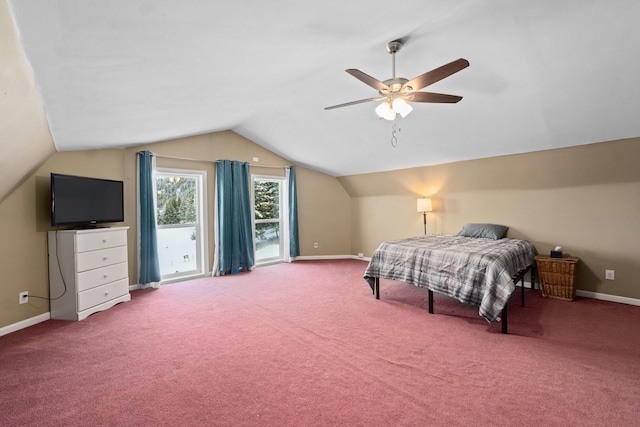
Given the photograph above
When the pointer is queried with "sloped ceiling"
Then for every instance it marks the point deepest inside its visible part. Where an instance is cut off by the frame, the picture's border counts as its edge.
(543, 74)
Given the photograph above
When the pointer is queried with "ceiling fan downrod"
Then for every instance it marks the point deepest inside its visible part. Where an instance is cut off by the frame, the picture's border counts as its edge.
(392, 48)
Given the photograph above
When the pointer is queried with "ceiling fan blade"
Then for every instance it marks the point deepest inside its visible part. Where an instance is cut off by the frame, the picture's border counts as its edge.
(430, 77)
(432, 97)
(353, 103)
(366, 78)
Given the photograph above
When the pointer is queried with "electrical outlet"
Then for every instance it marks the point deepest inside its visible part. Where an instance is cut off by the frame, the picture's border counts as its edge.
(610, 274)
(360, 255)
(315, 245)
(23, 297)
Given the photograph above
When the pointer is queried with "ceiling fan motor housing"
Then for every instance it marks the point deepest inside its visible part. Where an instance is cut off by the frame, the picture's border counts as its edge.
(395, 85)
(394, 46)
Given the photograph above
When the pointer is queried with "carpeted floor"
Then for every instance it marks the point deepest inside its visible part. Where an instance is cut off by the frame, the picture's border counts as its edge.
(307, 344)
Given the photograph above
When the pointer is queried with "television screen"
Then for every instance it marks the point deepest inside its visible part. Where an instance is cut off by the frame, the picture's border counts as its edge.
(77, 200)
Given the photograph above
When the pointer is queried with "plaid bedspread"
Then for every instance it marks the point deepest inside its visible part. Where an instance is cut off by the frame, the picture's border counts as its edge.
(472, 270)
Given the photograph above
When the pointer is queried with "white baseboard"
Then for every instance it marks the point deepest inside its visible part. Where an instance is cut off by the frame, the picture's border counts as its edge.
(527, 285)
(595, 295)
(25, 324)
(607, 297)
(137, 286)
(325, 257)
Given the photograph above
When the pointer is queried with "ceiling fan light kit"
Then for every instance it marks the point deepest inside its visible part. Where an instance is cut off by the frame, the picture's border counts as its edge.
(397, 93)
(385, 111)
(401, 106)
(388, 110)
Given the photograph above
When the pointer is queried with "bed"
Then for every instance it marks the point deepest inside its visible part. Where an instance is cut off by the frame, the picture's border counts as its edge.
(480, 271)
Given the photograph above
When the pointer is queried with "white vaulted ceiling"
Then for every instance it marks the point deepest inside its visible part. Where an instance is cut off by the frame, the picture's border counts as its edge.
(543, 74)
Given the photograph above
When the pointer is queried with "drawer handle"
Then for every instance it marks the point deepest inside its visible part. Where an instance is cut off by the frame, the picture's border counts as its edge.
(104, 240)
(106, 294)
(105, 276)
(105, 258)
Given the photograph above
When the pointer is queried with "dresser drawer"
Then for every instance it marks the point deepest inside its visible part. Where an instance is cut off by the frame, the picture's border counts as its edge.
(100, 240)
(96, 259)
(99, 276)
(104, 293)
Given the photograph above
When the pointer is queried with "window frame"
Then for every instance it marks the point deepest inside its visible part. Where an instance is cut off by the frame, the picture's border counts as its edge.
(282, 219)
(201, 224)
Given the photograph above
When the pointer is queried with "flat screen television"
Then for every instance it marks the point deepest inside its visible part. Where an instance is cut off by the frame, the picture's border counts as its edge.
(83, 201)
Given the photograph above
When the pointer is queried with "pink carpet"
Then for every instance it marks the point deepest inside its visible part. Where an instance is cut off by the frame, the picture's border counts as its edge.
(307, 344)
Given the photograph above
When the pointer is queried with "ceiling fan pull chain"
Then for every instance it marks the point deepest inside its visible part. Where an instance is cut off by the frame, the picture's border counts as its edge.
(394, 138)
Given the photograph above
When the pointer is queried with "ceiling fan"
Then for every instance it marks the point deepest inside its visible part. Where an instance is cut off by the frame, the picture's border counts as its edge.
(397, 92)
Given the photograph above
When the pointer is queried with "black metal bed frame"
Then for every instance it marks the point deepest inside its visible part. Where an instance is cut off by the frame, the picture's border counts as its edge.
(518, 277)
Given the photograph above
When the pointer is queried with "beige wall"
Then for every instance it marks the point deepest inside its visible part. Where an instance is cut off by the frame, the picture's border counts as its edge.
(324, 209)
(585, 198)
(26, 142)
(25, 215)
(324, 214)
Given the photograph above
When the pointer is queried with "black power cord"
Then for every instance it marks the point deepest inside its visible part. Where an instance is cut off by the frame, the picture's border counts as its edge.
(64, 283)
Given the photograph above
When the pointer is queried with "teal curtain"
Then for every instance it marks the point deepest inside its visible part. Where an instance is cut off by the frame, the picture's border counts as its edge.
(294, 246)
(149, 264)
(233, 203)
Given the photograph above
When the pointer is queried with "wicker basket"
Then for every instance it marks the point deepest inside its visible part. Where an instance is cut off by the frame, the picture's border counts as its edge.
(557, 277)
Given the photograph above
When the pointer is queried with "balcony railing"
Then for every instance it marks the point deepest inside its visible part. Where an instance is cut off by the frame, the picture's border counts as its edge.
(177, 250)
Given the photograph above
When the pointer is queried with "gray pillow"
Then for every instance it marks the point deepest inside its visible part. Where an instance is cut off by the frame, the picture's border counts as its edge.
(485, 231)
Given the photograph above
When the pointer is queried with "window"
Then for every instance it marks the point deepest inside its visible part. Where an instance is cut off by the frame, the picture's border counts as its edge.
(269, 227)
(181, 217)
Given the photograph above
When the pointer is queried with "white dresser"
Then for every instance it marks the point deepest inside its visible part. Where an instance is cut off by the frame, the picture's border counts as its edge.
(88, 271)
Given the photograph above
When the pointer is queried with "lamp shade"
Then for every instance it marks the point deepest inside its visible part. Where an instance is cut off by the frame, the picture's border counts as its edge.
(385, 111)
(401, 107)
(424, 205)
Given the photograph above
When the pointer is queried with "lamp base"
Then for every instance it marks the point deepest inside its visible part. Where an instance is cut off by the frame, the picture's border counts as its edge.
(425, 222)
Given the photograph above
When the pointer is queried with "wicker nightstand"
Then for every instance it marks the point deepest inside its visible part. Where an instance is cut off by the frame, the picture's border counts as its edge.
(557, 276)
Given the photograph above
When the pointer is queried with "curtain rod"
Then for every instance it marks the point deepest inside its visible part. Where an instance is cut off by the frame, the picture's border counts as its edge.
(200, 160)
